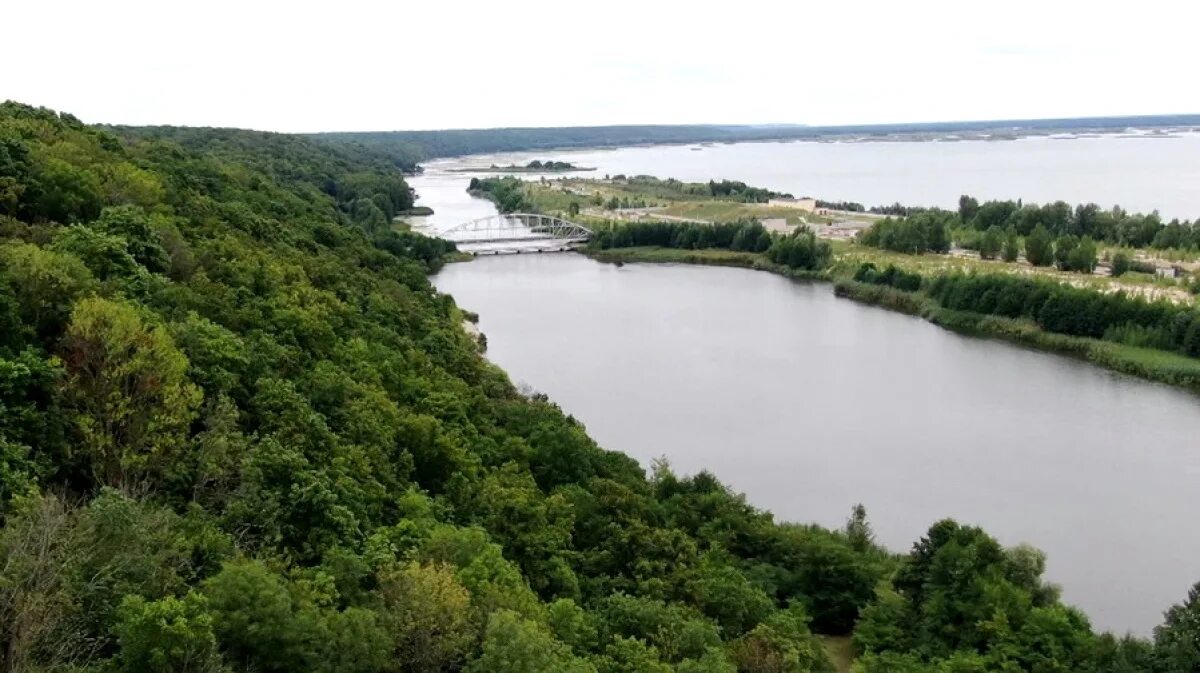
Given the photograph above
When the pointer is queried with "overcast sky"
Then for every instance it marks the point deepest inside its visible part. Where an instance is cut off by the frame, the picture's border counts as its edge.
(405, 64)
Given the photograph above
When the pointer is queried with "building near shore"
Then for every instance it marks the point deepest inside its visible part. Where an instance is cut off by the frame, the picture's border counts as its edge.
(806, 204)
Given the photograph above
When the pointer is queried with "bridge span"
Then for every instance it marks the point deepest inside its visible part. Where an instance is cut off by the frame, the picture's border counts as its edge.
(514, 233)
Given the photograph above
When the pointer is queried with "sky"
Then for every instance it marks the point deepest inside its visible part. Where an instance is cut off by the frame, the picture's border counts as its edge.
(353, 65)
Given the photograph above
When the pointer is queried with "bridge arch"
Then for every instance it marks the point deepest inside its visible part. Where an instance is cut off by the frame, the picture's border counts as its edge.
(531, 230)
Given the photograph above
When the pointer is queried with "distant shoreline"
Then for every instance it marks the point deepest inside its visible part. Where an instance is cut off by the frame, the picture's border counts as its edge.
(517, 169)
(997, 135)
(423, 146)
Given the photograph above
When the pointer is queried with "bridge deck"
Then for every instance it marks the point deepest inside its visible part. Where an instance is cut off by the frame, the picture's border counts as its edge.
(516, 239)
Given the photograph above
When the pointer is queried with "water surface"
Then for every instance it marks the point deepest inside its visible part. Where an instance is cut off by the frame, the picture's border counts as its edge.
(809, 403)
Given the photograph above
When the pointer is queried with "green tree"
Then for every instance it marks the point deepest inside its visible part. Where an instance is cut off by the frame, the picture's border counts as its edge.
(1177, 640)
(1121, 263)
(858, 529)
(253, 618)
(44, 283)
(127, 391)
(428, 614)
(142, 239)
(1011, 248)
(105, 255)
(1082, 257)
(991, 243)
(512, 644)
(783, 644)
(171, 635)
(1039, 250)
(265, 623)
(885, 624)
(573, 625)
(725, 595)
(629, 655)
(1064, 247)
(968, 207)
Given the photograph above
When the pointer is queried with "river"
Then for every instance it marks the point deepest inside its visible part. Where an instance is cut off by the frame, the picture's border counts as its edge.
(809, 404)
(1141, 174)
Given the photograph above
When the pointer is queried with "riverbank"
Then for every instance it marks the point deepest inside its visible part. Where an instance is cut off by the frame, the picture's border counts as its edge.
(1145, 363)
(519, 169)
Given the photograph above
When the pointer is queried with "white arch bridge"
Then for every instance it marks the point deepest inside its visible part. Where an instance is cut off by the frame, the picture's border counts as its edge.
(516, 233)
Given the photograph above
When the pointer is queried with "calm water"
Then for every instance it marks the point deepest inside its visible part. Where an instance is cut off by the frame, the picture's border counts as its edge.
(809, 403)
(1139, 173)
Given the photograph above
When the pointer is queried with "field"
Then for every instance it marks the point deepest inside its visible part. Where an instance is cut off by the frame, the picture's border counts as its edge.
(649, 200)
(665, 200)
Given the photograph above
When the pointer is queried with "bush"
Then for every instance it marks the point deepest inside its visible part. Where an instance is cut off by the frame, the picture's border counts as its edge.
(990, 244)
(171, 635)
(926, 231)
(1073, 311)
(891, 276)
(1039, 251)
(1121, 263)
(1011, 246)
(800, 250)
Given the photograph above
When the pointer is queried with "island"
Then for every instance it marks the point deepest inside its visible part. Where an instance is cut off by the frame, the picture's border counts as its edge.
(535, 166)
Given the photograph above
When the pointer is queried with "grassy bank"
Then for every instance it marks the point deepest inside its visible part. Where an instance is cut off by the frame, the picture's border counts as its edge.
(707, 257)
(1147, 363)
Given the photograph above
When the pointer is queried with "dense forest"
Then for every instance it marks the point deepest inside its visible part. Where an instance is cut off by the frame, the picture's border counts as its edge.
(240, 431)
(747, 236)
(413, 146)
(508, 193)
(799, 249)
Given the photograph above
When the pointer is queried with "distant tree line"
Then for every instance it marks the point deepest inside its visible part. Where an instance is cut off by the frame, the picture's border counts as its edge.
(550, 165)
(747, 236)
(726, 190)
(734, 190)
(1073, 311)
(1114, 225)
(420, 145)
(855, 207)
(850, 206)
(897, 209)
(1050, 234)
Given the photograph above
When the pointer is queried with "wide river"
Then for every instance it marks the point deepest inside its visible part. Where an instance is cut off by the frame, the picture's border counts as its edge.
(809, 403)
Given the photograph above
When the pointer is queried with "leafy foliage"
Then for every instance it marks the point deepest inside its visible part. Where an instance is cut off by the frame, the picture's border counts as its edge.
(1068, 310)
(926, 231)
(239, 430)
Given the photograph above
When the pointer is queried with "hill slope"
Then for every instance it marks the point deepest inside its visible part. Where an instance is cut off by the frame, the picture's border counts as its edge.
(240, 431)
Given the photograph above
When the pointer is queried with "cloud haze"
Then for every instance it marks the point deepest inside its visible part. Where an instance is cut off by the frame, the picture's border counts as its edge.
(355, 65)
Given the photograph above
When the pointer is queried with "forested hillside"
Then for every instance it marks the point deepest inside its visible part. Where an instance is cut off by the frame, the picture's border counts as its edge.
(240, 431)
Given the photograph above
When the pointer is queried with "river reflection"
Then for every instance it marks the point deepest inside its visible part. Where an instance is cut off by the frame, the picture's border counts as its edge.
(809, 403)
